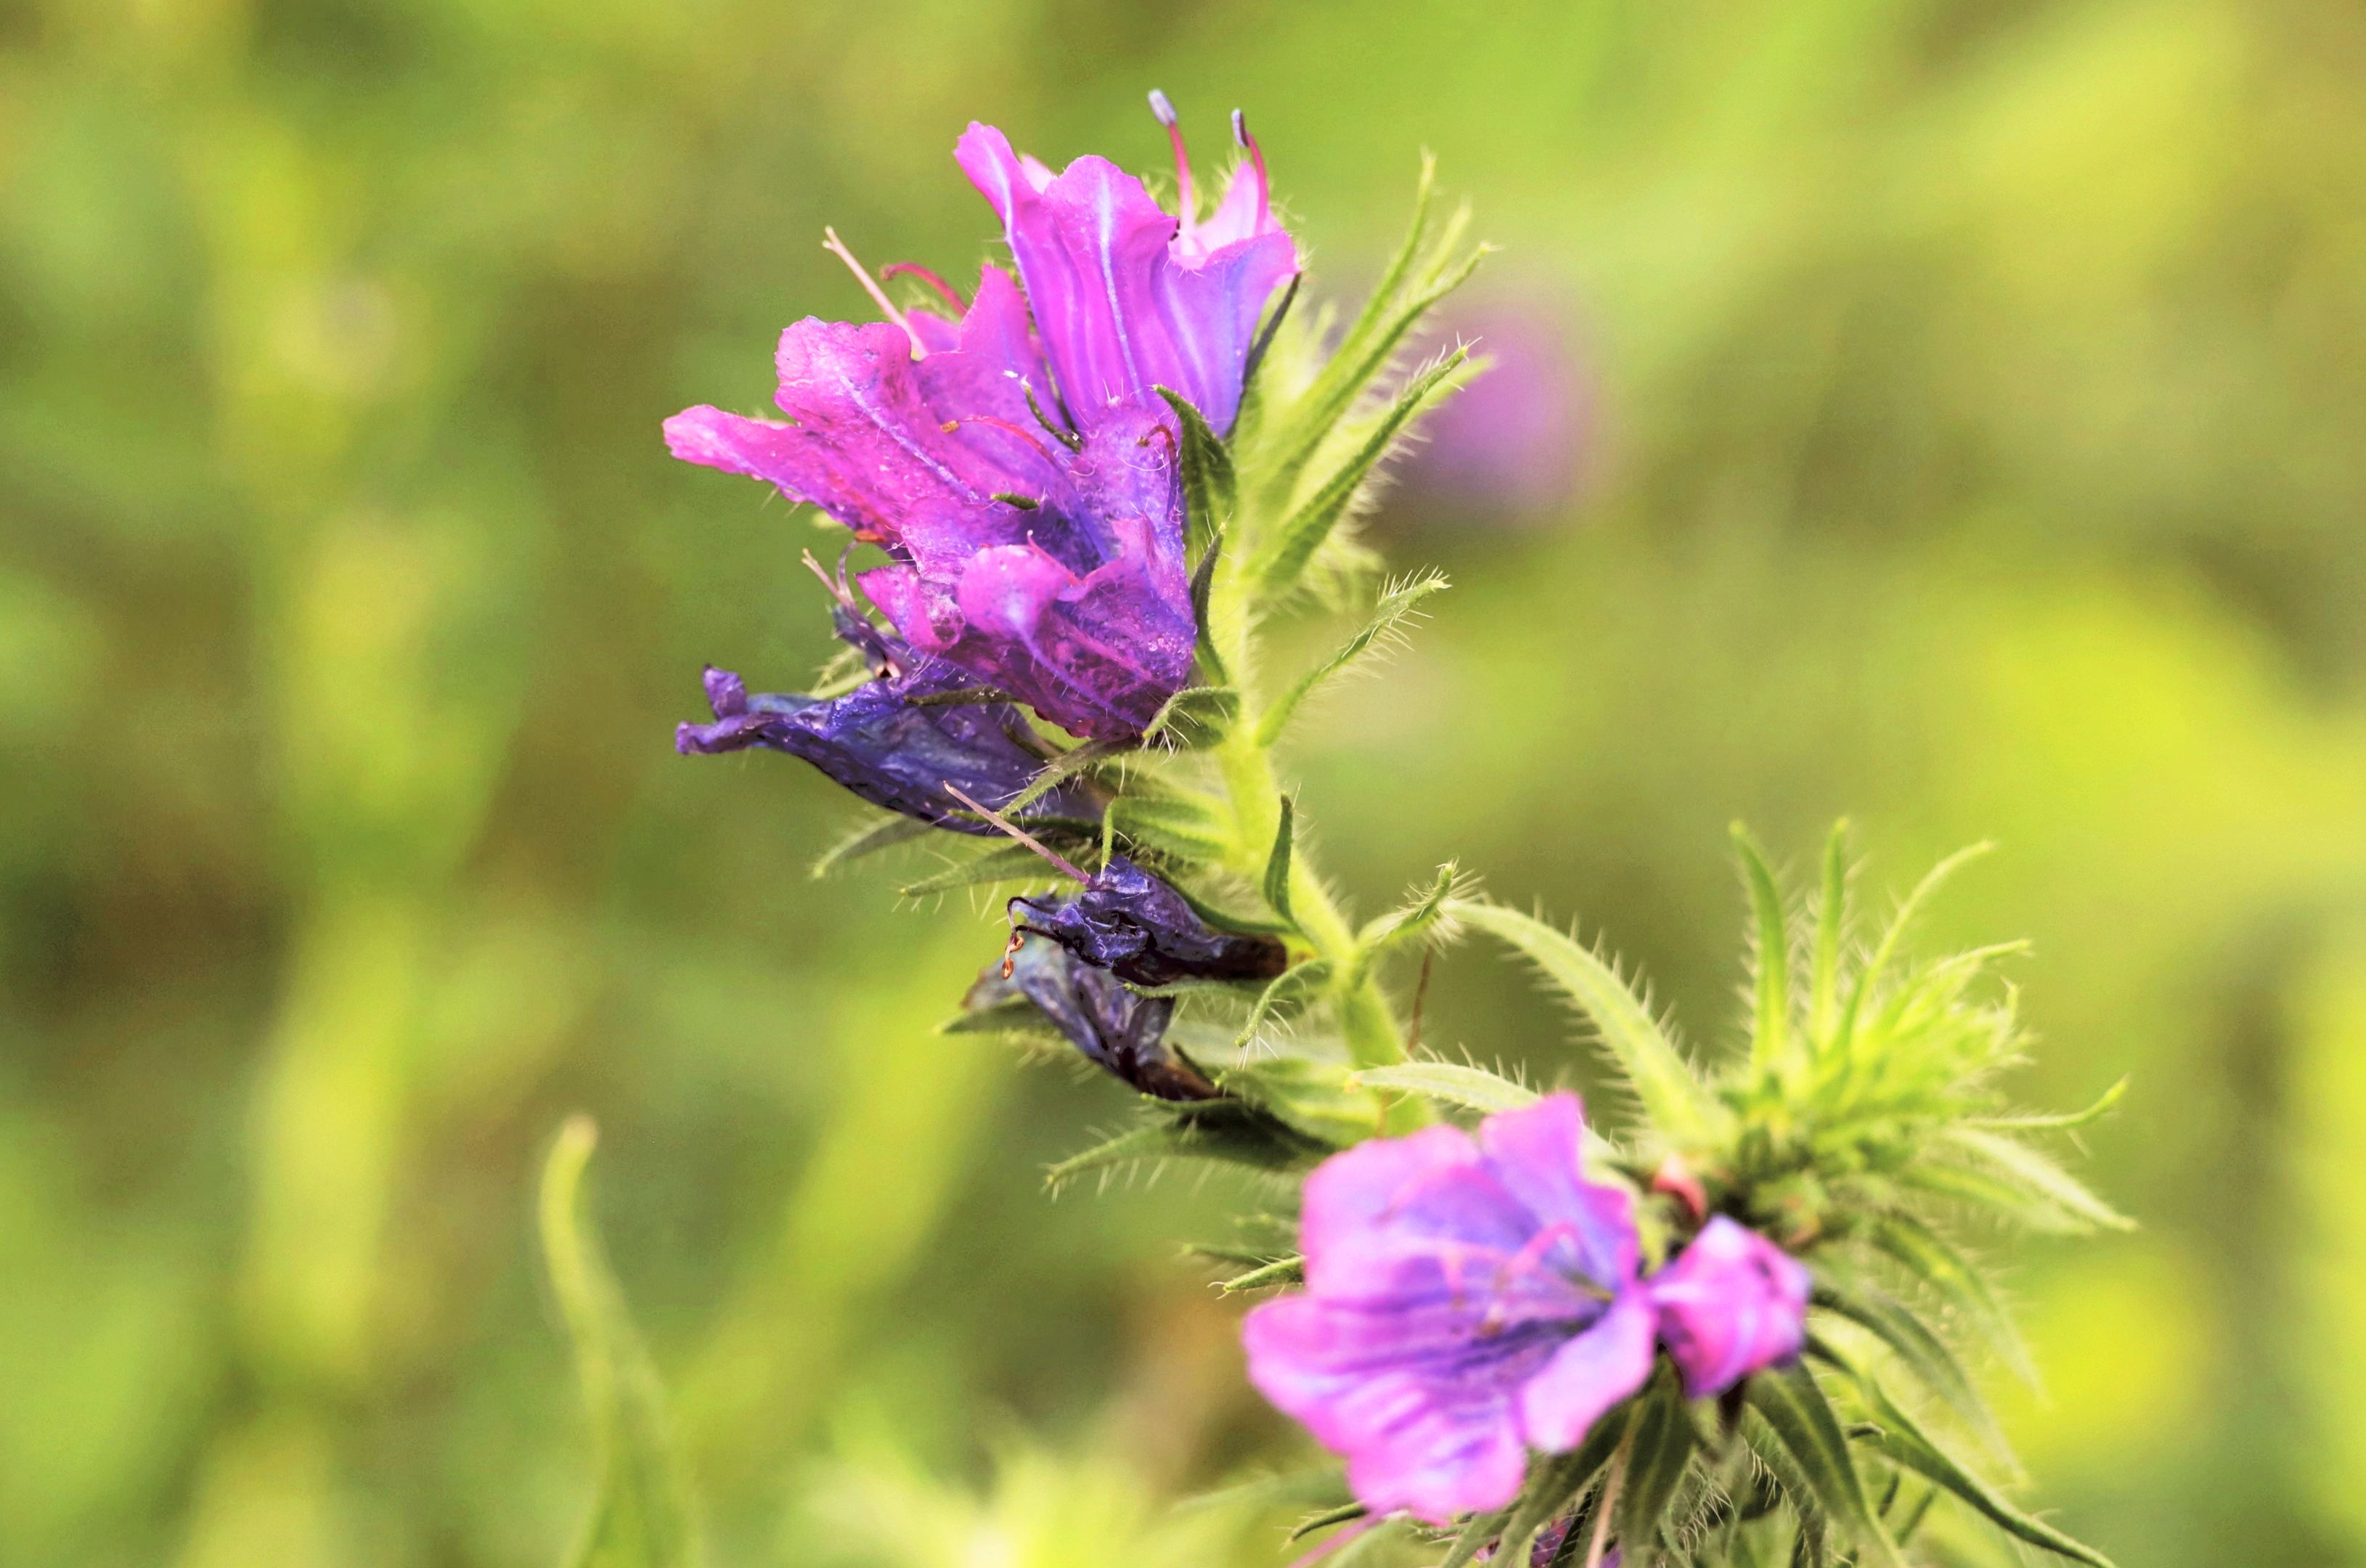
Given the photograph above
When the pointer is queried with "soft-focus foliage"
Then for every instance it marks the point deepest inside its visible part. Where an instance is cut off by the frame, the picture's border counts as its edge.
(1978, 392)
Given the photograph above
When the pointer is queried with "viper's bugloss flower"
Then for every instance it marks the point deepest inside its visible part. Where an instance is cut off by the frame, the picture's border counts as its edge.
(1732, 1303)
(881, 741)
(1515, 443)
(1140, 929)
(1053, 571)
(1466, 1300)
(1128, 297)
(1120, 1030)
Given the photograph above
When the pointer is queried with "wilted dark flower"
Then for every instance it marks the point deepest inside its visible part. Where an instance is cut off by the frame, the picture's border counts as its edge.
(1136, 926)
(882, 741)
(1730, 1304)
(1466, 1300)
(1120, 1030)
(1128, 297)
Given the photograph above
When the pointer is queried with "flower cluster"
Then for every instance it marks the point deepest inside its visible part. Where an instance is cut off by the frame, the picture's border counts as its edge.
(1089, 486)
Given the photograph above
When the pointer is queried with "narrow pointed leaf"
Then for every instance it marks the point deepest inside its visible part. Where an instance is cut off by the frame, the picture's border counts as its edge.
(1277, 863)
(1218, 1132)
(1678, 1103)
(1923, 1253)
(1399, 604)
(1915, 1345)
(996, 862)
(1422, 914)
(1802, 1420)
(2055, 1124)
(1285, 994)
(2028, 1168)
(1281, 559)
(1772, 961)
(1901, 1440)
(1870, 975)
(869, 838)
(642, 1514)
(1211, 487)
(1662, 1450)
(1451, 1084)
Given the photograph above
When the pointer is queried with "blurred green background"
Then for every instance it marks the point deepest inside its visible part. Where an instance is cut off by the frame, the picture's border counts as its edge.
(1972, 400)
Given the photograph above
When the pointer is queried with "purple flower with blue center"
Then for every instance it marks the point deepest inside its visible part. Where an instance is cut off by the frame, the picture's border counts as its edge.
(1732, 1303)
(1136, 926)
(1119, 1029)
(885, 740)
(1466, 1300)
(1128, 297)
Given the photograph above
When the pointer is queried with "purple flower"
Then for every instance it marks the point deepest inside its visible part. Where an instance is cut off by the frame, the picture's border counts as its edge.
(1053, 572)
(1141, 929)
(1466, 1300)
(1730, 1304)
(884, 745)
(1121, 1031)
(1128, 297)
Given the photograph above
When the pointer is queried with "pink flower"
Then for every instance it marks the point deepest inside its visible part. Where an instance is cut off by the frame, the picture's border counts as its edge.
(1732, 1303)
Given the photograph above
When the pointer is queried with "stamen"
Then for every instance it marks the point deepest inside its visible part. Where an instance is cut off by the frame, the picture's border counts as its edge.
(1061, 433)
(1003, 424)
(1185, 197)
(837, 247)
(1248, 143)
(914, 269)
(1059, 863)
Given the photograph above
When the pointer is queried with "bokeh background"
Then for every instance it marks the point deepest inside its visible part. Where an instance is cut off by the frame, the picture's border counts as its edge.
(1951, 412)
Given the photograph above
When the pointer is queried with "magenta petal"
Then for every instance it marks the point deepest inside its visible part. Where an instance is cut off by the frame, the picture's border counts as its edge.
(1412, 1442)
(1539, 1152)
(1351, 1191)
(1593, 1371)
(1732, 1303)
(1120, 312)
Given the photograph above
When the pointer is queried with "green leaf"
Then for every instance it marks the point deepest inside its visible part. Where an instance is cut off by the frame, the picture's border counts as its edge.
(1882, 953)
(1216, 1131)
(1194, 718)
(1399, 604)
(1450, 1084)
(1554, 1487)
(1227, 921)
(2056, 1123)
(1290, 1270)
(1831, 934)
(1656, 1463)
(1923, 1253)
(1190, 828)
(1276, 863)
(1427, 909)
(1281, 557)
(1069, 764)
(1679, 1105)
(1900, 1440)
(1790, 1480)
(1771, 960)
(1203, 589)
(1284, 995)
(1478, 1533)
(1915, 1344)
(1320, 1098)
(1340, 1514)
(1802, 1420)
(1211, 487)
(869, 837)
(2034, 1173)
(995, 863)
(642, 1514)
(1016, 1017)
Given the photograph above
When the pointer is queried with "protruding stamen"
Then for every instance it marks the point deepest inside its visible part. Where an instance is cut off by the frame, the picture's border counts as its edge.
(1059, 863)
(1002, 425)
(1058, 433)
(1186, 200)
(1248, 143)
(914, 269)
(837, 247)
